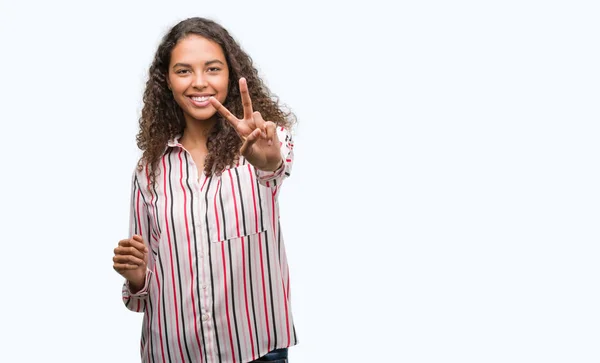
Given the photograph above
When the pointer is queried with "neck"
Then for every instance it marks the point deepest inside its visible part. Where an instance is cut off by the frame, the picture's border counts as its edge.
(195, 134)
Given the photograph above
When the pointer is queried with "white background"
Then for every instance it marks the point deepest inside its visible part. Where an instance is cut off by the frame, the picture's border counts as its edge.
(444, 203)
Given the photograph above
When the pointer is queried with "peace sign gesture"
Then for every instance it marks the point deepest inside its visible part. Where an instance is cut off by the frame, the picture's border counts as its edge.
(261, 144)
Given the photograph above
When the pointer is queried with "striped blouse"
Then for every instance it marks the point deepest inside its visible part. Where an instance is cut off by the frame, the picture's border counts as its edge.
(217, 284)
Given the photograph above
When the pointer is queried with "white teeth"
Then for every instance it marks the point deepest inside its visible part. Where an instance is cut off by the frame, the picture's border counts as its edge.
(200, 99)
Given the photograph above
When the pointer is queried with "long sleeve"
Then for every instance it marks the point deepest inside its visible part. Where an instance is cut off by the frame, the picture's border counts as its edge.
(138, 224)
(275, 178)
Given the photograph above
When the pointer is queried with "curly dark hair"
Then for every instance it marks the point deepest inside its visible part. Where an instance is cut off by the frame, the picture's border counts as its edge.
(162, 118)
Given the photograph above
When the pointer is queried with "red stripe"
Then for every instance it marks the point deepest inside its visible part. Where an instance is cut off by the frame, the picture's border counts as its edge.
(273, 209)
(237, 224)
(262, 267)
(171, 256)
(227, 299)
(187, 232)
(202, 187)
(162, 348)
(217, 212)
(246, 298)
(285, 303)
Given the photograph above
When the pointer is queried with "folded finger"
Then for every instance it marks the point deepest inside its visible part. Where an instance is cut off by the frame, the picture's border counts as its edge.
(128, 260)
(250, 140)
(120, 267)
(137, 242)
(129, 251)
(259, 122)
(271, 131)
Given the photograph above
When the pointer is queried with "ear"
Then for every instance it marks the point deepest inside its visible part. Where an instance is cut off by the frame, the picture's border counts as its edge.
(168, 83)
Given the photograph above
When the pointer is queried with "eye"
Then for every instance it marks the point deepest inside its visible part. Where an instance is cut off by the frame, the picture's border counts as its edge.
(182, 71)
(214, 69)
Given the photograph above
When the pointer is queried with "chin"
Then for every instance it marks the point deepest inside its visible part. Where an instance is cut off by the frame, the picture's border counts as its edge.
(202, 116)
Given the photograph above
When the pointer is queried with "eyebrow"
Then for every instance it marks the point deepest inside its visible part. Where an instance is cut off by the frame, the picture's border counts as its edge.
(205, 63)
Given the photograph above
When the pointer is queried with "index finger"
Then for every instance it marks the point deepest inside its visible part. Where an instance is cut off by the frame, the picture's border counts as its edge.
(246, 101)
(224, 111)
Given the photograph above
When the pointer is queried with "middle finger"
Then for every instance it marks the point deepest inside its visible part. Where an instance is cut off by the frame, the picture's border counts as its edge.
(131, 251)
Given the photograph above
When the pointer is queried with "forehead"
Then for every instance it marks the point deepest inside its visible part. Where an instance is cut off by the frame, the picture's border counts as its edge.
(194, 48)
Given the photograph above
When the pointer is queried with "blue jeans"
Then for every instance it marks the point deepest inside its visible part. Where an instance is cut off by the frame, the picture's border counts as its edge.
(274, 356)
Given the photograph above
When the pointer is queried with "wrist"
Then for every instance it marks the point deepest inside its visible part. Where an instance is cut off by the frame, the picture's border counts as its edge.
(135, 285)
(275, 166)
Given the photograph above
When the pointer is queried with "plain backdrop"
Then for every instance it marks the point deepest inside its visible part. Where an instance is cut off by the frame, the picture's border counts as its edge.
(444, 202)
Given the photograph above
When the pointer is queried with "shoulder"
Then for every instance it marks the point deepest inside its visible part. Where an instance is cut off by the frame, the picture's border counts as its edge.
(140, 173)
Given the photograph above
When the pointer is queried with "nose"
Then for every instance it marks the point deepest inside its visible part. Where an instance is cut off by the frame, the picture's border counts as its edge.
(199, 81)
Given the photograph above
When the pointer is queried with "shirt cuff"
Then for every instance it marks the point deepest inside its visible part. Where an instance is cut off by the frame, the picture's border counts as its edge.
(270, 175)
(143, 291)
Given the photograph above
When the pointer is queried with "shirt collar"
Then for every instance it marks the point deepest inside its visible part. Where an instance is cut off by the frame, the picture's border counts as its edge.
(174, 142)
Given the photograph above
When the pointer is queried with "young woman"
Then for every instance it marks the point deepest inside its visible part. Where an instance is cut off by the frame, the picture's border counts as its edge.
(205, 261)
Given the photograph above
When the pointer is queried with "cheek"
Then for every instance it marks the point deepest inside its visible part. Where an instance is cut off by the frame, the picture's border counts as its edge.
(224, 89)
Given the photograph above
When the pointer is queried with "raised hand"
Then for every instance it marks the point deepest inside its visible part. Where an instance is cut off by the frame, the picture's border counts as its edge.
(131, 260)
(261, 144)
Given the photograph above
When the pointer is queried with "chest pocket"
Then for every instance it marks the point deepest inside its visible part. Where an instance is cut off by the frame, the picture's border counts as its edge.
(235, 205)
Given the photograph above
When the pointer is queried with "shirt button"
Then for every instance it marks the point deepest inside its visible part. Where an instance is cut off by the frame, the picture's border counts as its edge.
(205, 317)
(204, 287)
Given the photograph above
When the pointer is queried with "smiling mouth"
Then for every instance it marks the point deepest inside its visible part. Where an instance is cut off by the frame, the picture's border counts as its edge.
(200, 101)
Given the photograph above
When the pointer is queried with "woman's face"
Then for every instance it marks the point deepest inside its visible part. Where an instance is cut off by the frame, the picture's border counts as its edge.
(197, 71)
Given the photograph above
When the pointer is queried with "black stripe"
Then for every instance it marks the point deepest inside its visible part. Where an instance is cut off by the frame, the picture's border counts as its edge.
(241, 199)
(156, 211)
(187, 180)
(133, 205)
(174, 234)
(279, 242)
(271, 288)
(237, 334)
(295, 338)
(222, 211)
(212, 281)
(150, 311)
(164, 310)
(262, 222)
(252, 293)
(148, 298)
